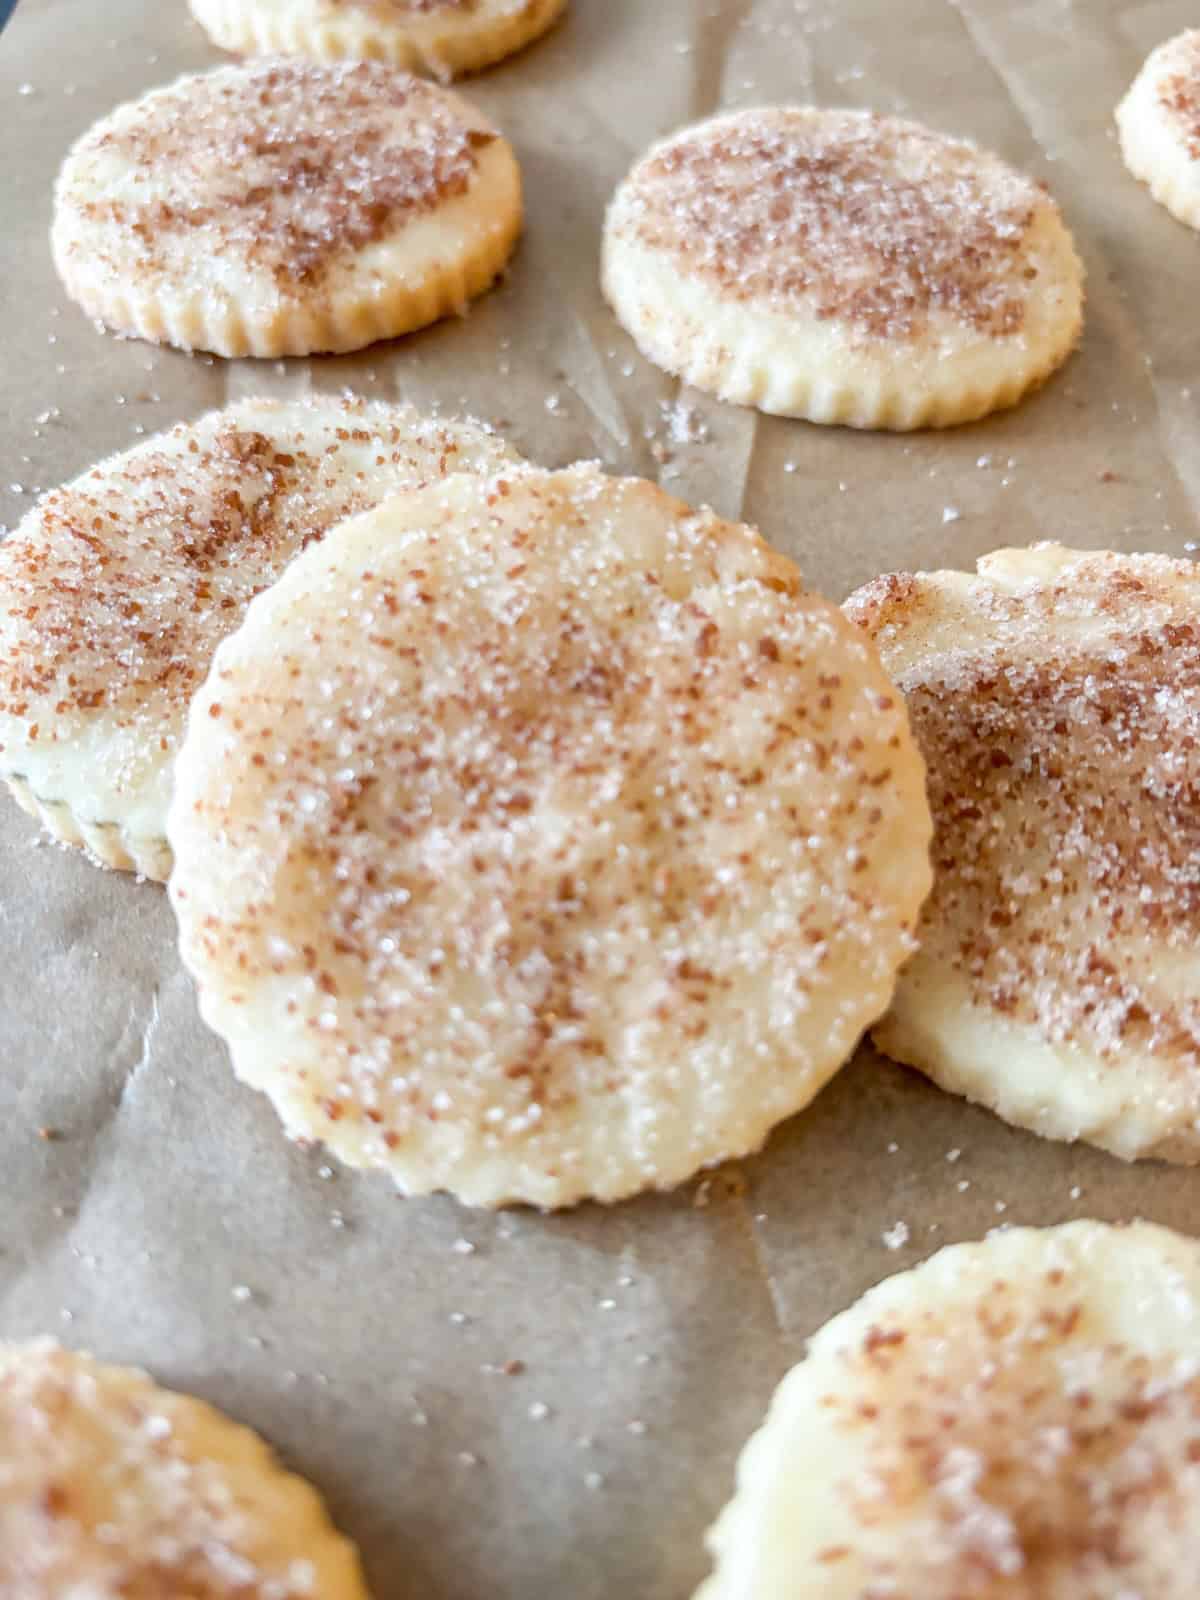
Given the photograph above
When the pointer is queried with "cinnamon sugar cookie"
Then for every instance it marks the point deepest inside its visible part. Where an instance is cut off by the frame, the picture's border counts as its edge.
(283, 208)
(112, 1487)
(542, 838)
(1016, 1418)
(443, 37)
(116, 590)
(843, 267)
(1159, 126)
(1056, 698)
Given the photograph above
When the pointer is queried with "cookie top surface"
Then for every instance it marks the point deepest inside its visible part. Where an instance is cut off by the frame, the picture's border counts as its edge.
(543, 839)
(1178, 85)
(870, 220)
(116, 589)
(1013, 1418)
(1158, 122)
(114, 1489)
(1056, 697)
(1172, 75)
(288, 169)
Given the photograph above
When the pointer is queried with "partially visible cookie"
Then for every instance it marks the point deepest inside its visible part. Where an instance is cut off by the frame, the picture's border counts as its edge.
(542, 838)
(1016, 1419)
(442, 37)
(843, 267)
(116, 590)
(111, 1487)
(285, 208)
(1056, 698)
(1159, 126)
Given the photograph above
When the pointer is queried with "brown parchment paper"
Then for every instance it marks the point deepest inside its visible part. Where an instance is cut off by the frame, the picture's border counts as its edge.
(369, 1346)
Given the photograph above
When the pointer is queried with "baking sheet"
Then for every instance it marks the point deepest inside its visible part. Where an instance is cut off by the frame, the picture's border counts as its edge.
(372, 1344)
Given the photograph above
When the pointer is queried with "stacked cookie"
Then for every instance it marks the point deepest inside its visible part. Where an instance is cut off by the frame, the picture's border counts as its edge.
(536, 837)
(119, 587)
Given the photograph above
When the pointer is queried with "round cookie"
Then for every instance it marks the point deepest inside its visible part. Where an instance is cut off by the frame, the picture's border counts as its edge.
(116, 590)
(542, 839)
(1056, 698)
(112, 1487)
(283, 208)
(1016, 1418)
(442, 37)
(1158, 123)
(843, 267)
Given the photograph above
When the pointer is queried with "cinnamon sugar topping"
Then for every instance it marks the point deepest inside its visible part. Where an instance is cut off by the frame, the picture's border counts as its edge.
(1015, 1419)
(1045, 1458)
(111, 1486)
(1179, 93)
(290, 165)
(1062, 736)
(865, 218)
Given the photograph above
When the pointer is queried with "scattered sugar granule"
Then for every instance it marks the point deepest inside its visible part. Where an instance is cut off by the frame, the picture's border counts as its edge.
(897, 1236)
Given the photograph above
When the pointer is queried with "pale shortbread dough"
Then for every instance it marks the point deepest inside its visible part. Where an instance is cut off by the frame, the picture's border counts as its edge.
(1056, 697)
